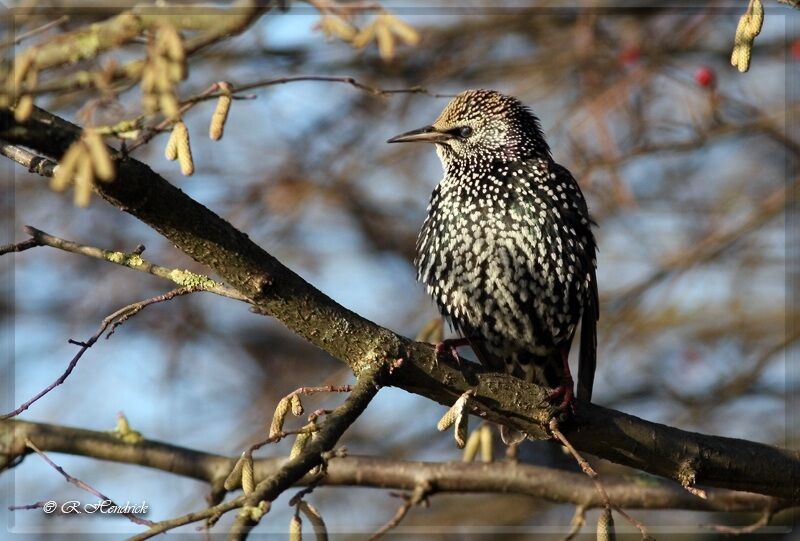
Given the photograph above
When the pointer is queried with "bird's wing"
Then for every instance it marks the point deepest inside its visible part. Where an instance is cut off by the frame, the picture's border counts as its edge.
(587, 359)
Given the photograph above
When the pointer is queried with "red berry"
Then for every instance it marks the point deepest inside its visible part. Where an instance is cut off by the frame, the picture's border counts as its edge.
(705, 77)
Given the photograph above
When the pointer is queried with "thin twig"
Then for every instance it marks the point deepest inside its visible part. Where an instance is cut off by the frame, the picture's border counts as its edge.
(418, 496)
(315, 453)
(28, 507)
(134, 261)
(20, 246)
(34, 31)
(214, 92)
(33, 163)
(762, 521)
(88, 488)
(588, 470)
(115, 319)
(321, 389)
(577, 522)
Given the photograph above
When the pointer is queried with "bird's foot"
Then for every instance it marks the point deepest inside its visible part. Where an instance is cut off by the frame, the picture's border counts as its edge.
(449, 349)
(566, 394)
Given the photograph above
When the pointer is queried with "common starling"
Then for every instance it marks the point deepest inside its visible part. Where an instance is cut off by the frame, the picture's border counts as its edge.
(506, 250)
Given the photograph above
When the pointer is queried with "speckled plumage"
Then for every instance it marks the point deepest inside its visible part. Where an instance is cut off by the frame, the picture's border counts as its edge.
(506, 249)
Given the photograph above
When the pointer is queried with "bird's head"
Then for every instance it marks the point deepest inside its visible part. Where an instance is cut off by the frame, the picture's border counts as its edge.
(482, 126)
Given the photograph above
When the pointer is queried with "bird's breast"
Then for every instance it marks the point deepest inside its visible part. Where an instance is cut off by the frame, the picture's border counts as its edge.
(501, 262)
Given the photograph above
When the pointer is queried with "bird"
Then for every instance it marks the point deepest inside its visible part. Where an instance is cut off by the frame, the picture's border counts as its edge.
(507, 250)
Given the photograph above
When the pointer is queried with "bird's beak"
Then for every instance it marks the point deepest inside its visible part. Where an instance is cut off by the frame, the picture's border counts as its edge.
(428, 134)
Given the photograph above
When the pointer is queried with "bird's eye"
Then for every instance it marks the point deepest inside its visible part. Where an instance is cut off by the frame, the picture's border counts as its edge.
(465, 131)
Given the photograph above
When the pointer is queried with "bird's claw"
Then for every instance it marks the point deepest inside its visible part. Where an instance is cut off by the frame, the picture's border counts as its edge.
(449, 348)
(446, 349)
(566, 394)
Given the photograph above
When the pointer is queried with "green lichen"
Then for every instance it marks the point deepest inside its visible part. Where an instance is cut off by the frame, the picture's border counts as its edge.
(188, 278)
(121, 258)
(86, 45)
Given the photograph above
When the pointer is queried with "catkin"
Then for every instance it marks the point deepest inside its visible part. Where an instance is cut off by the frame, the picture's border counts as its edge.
(184, 149)
(217, 126)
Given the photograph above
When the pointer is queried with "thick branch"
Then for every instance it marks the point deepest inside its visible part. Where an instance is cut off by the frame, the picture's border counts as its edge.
(685, 456)
(363, 471)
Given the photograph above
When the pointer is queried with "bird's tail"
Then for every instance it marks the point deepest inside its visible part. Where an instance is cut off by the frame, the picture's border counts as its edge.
(587, 360)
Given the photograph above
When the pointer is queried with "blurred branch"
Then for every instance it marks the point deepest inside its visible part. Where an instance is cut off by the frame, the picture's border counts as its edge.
(213, 24)
(737, 384)
(377, 472)
(418, 496)
(712, 245)
(16, 40)
(763, 520)
(276, 290)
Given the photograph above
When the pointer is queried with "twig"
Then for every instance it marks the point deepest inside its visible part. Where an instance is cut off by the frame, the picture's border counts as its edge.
(33, 163)
(292, 471)
(84, 486)
(321, 389)
(28, 507)
(34, 31)
(588, 470)
(135, 261)
(114, 320)
(762, 521)
(214, 92)
(20, 246)
(577, 522)
(335, 424)
(418, 496)
(274, 438)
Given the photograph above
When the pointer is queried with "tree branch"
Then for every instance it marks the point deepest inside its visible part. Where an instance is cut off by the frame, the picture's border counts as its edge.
(376, 472)
(335, 424)
(135, 261)
(212, 24)
(276, 290)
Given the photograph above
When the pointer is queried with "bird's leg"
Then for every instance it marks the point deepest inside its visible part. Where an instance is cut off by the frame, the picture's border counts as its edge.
(450, 347)
(565, 390)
